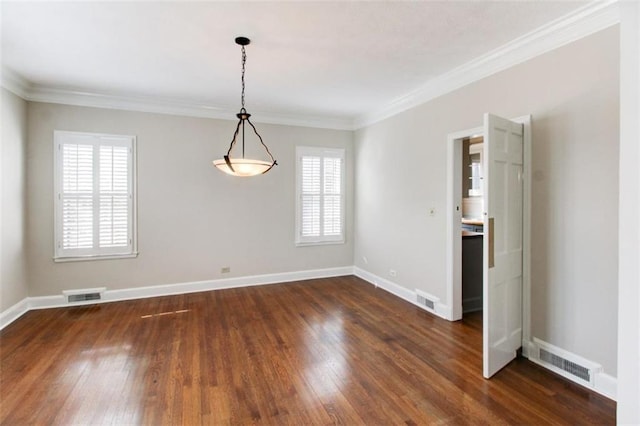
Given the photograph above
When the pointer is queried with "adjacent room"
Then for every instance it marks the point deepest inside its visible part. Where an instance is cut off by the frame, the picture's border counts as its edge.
(320, 212)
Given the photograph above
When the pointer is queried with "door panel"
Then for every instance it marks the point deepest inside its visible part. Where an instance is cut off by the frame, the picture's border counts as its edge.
(502, 288)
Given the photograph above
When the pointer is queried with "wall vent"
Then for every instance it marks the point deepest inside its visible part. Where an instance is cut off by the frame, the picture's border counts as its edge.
(84, 295)
(564, 364)
(426, 300)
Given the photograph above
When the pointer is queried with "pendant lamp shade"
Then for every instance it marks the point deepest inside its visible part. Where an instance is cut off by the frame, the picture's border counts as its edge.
(241, 166)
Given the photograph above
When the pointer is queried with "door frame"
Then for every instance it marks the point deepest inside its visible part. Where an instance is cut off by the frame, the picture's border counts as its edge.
(454, 241)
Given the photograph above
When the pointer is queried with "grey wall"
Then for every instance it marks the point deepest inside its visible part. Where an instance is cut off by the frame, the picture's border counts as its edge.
(572, 94)
(13, 283)
(192, 219)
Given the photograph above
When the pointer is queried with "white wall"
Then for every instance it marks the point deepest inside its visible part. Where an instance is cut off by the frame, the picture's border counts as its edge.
(629, 279)
(192, 219)
(573, 95)
(13, 283)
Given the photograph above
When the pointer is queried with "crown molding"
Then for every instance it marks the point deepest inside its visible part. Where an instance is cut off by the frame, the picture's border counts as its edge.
(14, 83)
(177, 107)
(37, 93)
(591, 18)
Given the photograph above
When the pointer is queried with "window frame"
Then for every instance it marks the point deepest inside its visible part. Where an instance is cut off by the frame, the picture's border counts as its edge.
(322, 152)
(97, 140)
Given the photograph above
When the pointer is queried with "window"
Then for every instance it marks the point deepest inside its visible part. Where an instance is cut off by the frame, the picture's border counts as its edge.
(320, 195)
(475, 155)
(94, 196)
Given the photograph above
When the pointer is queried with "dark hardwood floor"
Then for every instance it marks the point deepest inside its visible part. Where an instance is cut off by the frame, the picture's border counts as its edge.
(322, 351)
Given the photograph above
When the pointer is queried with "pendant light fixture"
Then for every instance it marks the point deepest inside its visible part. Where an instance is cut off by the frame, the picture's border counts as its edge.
(241, 166)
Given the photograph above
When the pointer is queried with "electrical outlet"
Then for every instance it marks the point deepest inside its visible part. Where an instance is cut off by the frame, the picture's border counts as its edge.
(392, 272)
(225, 269)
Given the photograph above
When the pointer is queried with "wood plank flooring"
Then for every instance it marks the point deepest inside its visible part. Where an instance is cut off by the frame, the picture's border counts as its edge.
(326, 351)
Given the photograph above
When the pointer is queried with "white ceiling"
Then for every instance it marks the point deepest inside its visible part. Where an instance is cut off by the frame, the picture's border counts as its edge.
(322, 59)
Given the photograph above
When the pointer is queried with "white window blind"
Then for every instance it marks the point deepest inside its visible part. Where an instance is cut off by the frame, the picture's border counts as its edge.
(320, 188)
(95, 204)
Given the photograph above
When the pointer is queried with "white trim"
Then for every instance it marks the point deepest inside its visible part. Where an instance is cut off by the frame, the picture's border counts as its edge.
(441, 310)
(73, 292)
(94, 257)
(454, 255)
(14, 83)
(66, 96)
(601, 382)
(528, 348)
(224, 283)
(526, 225)
(57, 301)
(606, 385)
(319, 243)
(14, 312)
(593, 17)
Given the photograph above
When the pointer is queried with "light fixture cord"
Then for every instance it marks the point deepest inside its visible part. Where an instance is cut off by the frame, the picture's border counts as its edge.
(244, 61)
(235, 134)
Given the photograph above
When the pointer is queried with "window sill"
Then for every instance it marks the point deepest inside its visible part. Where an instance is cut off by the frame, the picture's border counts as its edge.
(94, 257)
(318, 243)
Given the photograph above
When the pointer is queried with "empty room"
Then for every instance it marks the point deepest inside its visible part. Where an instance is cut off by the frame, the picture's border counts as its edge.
(305, 213)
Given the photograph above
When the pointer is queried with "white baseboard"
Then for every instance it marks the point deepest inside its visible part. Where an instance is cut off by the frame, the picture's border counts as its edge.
(528, 348)
(224, 283)
(606, 385)
(599, 382)
(57, 301)
(440, 310)
(14, 312)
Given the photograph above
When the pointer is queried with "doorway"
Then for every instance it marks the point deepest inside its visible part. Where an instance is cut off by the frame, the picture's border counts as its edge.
(506, 182)
(472, 223)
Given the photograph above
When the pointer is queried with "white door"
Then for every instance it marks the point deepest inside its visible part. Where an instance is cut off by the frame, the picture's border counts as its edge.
(503, 231)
